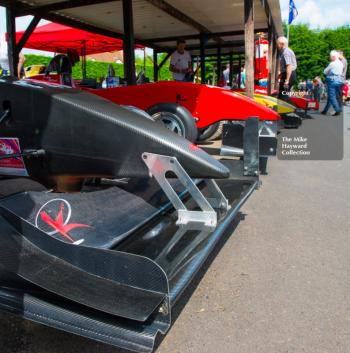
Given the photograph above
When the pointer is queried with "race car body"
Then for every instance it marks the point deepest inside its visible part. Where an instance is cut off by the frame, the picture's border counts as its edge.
(106, 259)
(207, 104)
(190, 110)
(300, 102)
(278, 105)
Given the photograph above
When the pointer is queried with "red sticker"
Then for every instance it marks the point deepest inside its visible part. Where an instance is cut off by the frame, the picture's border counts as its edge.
(11, 166)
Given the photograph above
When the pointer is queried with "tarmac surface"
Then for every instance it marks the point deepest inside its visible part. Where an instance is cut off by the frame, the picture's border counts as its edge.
(279, 284)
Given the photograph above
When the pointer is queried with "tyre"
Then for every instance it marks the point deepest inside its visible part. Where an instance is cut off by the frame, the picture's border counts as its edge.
(215, 133)
(176, 118)
(218, 133)
(206, 133)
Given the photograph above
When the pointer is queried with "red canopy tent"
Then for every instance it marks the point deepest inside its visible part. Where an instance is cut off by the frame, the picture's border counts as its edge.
(58, 38)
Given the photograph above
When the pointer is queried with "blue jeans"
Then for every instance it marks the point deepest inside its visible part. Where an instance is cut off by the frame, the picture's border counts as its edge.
(333, 88)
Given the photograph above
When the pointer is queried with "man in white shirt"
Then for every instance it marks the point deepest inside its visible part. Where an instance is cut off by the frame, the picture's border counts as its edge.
(288, 66)
(334, 82)
(335, 67)
(4, 60)
(226, 74)
(180, 62)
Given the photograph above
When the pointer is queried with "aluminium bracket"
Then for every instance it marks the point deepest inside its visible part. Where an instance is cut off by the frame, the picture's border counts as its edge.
(160, 165)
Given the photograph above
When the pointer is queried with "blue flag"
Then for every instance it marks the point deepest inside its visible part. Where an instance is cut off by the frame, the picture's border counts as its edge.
(293, 12)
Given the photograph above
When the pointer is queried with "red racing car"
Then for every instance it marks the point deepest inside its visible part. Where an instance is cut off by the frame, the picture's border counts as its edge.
(184, 108)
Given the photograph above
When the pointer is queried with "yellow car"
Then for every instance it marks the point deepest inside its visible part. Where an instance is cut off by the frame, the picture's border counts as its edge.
(274, 103)
(288, 112)
(34, 70)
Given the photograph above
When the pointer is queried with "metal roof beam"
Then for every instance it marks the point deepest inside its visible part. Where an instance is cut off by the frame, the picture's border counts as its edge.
(197, 36)
(236, 44)
(182, 17)
(28, 32)
(58, 6)
(91, 28)
(6, 3)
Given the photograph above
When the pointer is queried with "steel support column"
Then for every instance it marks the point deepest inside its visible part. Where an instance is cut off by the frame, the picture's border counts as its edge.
(240, 71)
(155, 65)
(270, 57)
(11, 32)
(28, 32)
(218, 64)
(202, 56)
(129, 43)
(231, 69)
(165, 59)
(276, 62)
(83, 59)
(249, 45)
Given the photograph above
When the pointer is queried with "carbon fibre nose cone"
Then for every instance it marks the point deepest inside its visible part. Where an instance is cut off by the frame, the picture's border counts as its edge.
(86, 135)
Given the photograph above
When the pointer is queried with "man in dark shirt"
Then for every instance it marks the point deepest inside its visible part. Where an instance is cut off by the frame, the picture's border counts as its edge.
(288, 66)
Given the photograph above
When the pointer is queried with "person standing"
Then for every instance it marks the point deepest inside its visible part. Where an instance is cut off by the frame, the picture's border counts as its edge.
(4, 60)
(345, 92)
(345, 65)
(226, 74)
(316, 90)
(333, 73)
(343, 76)
(288, 66)
(321, 87)
(180, 62)
(309, 86)
(241, 77)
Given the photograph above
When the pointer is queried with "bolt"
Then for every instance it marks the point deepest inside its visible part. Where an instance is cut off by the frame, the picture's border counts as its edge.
(271, 149)
(164, 309)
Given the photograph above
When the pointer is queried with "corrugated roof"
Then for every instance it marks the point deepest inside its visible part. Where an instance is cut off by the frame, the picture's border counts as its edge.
(151, 22)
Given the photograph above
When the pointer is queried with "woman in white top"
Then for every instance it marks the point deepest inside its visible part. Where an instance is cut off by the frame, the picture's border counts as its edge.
(4, 60)
(334, 83)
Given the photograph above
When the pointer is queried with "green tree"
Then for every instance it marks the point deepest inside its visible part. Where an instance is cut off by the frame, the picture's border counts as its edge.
(98, 69)
(312, 48)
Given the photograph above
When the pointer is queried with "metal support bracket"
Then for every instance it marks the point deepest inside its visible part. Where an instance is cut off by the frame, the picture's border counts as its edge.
(243, 141)
(159, 165)
(5, 116)
(251, 147)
